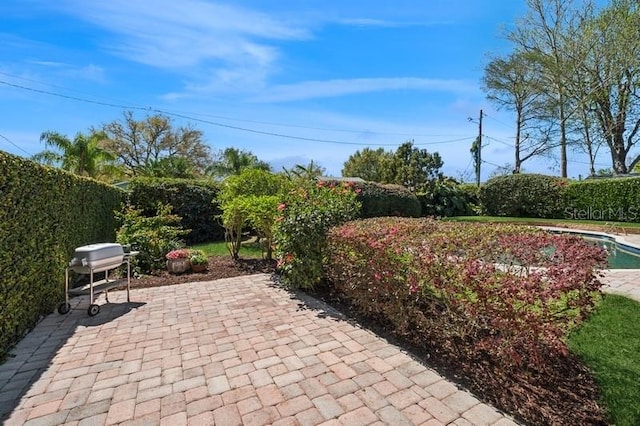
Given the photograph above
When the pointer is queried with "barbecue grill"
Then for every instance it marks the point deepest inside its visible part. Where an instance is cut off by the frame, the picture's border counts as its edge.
(91, 259)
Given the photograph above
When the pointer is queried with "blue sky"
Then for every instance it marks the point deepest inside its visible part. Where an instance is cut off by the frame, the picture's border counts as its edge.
(331, 76)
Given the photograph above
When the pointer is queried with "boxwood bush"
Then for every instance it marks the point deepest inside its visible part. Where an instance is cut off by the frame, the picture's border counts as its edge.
(492, 302)
(190, 199)
(46, 213)
(524, 195)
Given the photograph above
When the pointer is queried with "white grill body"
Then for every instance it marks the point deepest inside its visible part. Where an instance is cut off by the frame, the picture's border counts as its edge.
(97, 258)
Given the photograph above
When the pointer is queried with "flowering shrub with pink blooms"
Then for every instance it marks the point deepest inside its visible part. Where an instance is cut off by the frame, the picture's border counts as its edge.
(498, 296)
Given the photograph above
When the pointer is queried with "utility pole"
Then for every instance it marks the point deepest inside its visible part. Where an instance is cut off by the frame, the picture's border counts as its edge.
(479, 150)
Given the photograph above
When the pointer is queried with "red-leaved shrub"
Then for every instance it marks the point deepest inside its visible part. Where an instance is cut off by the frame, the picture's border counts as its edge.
(478, 294)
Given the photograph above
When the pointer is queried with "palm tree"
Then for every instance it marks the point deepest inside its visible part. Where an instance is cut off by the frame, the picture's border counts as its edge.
(310, 171)
(83, 155)
(232, 161)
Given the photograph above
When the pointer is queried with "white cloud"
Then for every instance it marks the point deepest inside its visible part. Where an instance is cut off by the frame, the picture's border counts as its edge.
(171, 34)
(90, 72)
(218, 48)
(341, 87)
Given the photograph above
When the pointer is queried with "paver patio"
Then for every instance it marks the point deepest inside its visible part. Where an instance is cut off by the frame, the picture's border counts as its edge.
(226, 352)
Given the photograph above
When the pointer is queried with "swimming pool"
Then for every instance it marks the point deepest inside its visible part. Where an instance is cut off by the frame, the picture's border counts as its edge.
(619, 255)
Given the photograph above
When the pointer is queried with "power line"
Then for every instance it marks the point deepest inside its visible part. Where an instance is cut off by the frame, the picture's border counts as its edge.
(14, 144)
(269, 123)
(214, 123)
(491, 164)
(499, 141)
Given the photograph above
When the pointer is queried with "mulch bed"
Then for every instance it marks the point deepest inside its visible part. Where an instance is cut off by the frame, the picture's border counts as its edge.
(530, 401)
(218, 267)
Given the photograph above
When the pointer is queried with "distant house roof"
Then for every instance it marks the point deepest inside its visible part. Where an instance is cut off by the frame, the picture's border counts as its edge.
(340, 179)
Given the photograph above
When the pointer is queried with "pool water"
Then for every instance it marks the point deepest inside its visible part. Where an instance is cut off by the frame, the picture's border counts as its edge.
(619, 257)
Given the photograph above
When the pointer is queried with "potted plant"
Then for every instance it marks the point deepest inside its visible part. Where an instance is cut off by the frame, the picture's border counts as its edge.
(199, 260)
(178, 261)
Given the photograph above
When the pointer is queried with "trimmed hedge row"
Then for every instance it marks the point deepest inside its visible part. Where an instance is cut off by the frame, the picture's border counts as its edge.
(386, 200)
(46, 213)
(489, 301)
(192, 200)
(615, 199)
(540, 196)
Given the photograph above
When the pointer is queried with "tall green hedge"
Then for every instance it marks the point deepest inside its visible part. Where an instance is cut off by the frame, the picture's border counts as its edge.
(614, 199)
(524, 195)
(45, 214)
(190, 199)
(379, 200)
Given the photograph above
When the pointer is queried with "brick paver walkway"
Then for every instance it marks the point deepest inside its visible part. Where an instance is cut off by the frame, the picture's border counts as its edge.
(625, 282)
(227, 352)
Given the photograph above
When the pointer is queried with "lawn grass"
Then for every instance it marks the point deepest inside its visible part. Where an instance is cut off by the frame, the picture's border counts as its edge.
(626, 226)
(219, 248)
(609, 344)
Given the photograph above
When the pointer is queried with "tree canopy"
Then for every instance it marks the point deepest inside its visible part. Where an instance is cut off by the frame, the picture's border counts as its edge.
(410, 166)
(233, 161)
(141, 145)
(574, 77)
(370, 165)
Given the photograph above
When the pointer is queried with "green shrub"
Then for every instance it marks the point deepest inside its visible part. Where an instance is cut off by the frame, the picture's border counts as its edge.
(262, 217)
(235, 213)
(491, 302)
(307, 212)
(386, 200)
(190, 199)
(615, 200)
(250, 199)
(444, 198)
(472, 195)
(44, 215)
(154, 236)
(251, 182)
(524, 195)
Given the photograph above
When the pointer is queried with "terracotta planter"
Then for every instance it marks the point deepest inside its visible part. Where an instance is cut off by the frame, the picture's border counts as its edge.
(178, 266)
(198, 268)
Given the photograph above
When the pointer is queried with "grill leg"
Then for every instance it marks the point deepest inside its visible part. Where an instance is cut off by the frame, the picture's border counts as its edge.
(128, 278)
(66, 285)
(91, 287)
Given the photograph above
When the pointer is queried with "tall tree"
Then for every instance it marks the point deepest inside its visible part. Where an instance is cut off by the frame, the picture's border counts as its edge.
(543, 35)
(82, 155)
(513, 84)
(138, 144)
(369, 164)
(232, 161)
(409, 166)
(613, 76)
(415, 168)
